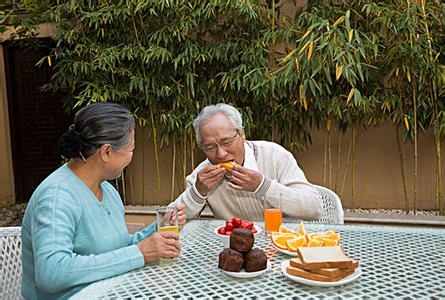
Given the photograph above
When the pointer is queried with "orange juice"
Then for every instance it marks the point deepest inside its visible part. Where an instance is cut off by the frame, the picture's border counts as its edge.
(272, 219)
(169, 228)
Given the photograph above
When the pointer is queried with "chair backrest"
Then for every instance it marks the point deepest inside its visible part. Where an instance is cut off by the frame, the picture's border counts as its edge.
(332, 209)
(10, 263)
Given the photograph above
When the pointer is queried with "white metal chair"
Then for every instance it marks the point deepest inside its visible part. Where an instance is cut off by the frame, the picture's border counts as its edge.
(332, 209)
(10, 262)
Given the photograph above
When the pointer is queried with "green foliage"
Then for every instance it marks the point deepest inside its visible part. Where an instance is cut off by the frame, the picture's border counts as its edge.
(346, 64)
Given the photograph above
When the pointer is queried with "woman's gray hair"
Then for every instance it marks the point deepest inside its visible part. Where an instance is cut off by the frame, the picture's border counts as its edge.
(207, 112)
(95, 125)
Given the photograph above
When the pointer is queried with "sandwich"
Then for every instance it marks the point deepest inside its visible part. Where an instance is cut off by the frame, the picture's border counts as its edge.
(326, 264)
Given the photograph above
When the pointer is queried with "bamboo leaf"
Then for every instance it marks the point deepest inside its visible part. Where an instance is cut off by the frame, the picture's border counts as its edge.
(309, 53)
(351, 93)
(339, 72)
(307, 33)
(290, 54)
(405, 118)
(339, 20)
(304, 47)
(351, 32)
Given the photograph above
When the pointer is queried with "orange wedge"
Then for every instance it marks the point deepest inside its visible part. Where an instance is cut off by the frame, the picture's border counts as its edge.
(303, 230)
(329, 232)
(315, 243)
(293, 244)
(314, 235)
(284, 229)
(329, 242)
(228, 165)
(280, 239)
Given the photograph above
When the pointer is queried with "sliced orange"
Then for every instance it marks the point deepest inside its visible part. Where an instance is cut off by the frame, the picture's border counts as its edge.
(303, 230)
(280, 239)
(293, 244)
(315, 243)
(314, 235)
(228, 165)
(329, 232)
(284, 229)
(329, 242)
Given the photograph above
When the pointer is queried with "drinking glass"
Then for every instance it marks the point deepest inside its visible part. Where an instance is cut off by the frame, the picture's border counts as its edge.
(167, 220)
(272, 214)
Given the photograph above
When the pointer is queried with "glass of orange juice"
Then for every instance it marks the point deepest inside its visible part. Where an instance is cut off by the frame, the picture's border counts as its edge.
(272, 214)
(167, 220)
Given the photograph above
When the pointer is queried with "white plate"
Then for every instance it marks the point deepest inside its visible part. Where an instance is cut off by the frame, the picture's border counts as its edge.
(291, 253)
(345, 280)
(244, 274)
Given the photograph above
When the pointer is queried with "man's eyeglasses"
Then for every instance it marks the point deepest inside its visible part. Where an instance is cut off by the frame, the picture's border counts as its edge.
(224, 143)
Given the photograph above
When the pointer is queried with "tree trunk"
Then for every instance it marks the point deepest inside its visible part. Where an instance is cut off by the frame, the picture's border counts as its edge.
(402, 158)
(354, 164)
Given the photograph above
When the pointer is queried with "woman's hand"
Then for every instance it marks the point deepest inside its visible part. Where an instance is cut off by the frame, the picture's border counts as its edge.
(182, 217)
(160, 245)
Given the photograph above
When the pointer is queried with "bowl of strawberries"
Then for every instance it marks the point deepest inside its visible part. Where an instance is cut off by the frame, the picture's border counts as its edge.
(223, 232)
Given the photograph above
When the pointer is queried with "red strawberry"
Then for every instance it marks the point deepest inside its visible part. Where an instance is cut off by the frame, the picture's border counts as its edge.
(229, 227)
(249, 224)
(244, 225)
(236, 222)
(253, 230)
(228, 233)
(221, 230)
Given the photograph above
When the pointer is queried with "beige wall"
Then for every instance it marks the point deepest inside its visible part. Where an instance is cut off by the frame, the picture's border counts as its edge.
(6, 175)
(378, 179)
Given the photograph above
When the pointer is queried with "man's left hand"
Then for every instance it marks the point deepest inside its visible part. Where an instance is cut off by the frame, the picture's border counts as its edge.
(243, 179)
(182, 217)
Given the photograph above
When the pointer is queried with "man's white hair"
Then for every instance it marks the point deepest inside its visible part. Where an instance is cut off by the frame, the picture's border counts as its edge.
(207, 112)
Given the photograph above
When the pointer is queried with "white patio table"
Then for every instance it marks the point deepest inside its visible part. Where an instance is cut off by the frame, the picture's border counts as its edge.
(396, 262)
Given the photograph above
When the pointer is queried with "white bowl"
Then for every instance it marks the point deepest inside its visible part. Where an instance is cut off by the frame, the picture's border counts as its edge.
(225, 239)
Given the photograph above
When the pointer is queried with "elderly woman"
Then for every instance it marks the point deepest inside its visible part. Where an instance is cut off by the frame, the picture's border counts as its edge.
(74, 229)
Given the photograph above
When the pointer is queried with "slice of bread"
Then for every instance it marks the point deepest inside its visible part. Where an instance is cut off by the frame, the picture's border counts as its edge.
(314, 258)
(331, 272)
(312, 276)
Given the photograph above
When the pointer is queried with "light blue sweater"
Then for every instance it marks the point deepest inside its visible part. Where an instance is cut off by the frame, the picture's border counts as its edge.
(70, 239)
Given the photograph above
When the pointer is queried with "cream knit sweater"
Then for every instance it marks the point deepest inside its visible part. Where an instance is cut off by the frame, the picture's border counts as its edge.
(281, 178)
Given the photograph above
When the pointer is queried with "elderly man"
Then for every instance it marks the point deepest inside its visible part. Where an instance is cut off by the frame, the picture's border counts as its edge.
(265, 172)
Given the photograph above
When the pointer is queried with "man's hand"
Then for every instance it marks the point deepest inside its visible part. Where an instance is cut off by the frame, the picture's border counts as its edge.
(245, 179)
(160, 245)
(208, 178)
(182, 217)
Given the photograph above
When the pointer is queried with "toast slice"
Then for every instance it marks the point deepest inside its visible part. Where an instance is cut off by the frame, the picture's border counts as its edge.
(331, 272)
(314, 258)
(317, 277)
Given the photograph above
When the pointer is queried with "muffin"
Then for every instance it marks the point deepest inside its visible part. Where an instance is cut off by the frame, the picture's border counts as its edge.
(231, 260)
(256, 260)
(241, 239)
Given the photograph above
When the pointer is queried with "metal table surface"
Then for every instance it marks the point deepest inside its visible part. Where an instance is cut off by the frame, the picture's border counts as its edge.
(395, 262)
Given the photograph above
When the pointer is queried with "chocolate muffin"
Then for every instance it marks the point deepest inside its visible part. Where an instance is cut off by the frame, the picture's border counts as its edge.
(231, 260)
(241, 239)
(256, 260)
